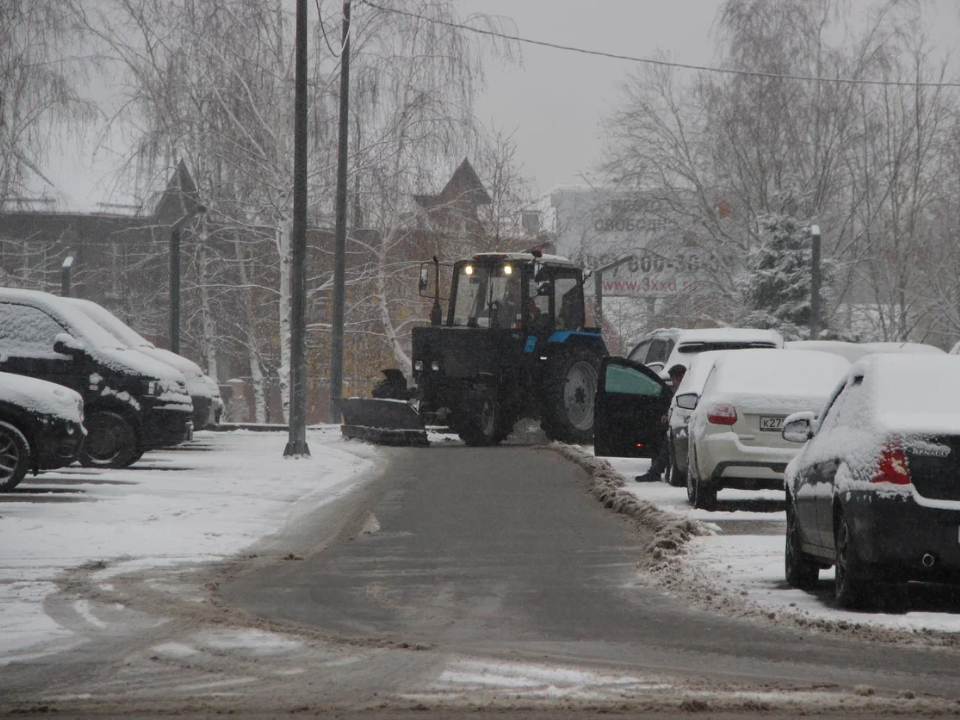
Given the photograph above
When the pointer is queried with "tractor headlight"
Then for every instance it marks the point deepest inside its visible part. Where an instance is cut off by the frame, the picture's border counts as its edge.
(468, 270)
(418, 365)
(508, 269)
(435, 365)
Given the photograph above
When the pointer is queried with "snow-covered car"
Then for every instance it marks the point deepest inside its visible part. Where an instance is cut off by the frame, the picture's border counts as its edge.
(734, 431)
(874, 491)
(132, 403)
(691, 385)
(855, 351)
(41, 427)
(661, 349)
(207, 405)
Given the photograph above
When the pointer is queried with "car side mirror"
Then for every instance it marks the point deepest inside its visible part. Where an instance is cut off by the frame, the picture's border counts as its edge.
(67, 345)
(799, 427)
(687, 401)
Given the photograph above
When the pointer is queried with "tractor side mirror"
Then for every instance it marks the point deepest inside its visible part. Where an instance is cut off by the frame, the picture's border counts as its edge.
(424, 278)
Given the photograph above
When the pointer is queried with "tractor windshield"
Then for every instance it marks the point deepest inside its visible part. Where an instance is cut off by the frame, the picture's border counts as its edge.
(488, 295)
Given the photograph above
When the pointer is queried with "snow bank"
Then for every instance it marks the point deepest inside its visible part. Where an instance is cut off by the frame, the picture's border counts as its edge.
(205, 502)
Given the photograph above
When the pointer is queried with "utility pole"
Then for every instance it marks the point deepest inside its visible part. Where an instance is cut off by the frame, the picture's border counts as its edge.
(174, 290)
(815, 280)
(65, 275)
(340, 236)
(297, 440)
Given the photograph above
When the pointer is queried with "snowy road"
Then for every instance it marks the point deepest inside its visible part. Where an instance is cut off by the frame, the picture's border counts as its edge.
(440, 581)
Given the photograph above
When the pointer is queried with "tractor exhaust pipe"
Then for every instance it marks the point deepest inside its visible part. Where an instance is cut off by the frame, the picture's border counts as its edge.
(928, 560)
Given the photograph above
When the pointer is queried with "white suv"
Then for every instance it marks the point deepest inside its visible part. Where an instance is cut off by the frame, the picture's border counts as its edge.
(661, 349)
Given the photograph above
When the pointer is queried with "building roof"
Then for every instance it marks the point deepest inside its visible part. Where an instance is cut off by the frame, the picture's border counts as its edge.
(463, 184)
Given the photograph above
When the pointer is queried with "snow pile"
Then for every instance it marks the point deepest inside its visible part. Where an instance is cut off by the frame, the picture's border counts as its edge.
(204, 502)
(670, 532)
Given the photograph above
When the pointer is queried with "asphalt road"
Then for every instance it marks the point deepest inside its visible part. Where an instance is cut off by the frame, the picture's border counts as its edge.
(502, 553)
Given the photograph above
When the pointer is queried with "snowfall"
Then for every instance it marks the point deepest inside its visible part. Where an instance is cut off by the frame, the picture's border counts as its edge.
(209, 500)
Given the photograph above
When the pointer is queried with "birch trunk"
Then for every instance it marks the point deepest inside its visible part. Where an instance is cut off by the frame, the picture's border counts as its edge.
(253, 357)
(209, 323)
(389, 329)
(286, 261)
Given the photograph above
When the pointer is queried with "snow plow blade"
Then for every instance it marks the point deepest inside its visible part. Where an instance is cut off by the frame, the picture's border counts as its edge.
(382, 421)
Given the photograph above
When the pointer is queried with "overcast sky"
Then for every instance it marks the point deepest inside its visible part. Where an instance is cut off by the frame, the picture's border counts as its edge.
(555, 101)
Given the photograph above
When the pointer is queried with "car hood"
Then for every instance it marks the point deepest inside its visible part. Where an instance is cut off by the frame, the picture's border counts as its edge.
(41, 397)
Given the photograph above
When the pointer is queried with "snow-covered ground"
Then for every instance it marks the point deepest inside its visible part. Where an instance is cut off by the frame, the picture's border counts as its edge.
(204, 501)
(743, 560)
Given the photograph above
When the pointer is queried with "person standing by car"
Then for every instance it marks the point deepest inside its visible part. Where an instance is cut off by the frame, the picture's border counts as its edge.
(659, 464)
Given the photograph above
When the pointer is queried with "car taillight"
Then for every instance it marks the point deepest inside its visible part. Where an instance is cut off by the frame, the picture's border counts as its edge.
(892, 467)
(722, 414)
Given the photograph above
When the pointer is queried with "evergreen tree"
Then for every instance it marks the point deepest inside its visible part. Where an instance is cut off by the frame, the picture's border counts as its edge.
(775, 290)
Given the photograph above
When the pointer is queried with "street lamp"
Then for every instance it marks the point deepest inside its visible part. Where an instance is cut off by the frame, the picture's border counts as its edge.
(815, 282)
(175, 275)
(65, 275)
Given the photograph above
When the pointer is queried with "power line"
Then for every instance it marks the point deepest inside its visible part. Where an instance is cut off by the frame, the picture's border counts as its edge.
(650, 61)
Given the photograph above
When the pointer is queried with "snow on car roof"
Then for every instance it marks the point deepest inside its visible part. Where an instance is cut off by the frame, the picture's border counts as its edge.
(799, 373)
(101, 344)
(729, 334)
(41, 397)
(110, 322)
(903, 347)
(914, 394)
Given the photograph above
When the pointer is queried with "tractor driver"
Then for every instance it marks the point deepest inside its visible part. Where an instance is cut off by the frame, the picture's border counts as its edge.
(509, 312)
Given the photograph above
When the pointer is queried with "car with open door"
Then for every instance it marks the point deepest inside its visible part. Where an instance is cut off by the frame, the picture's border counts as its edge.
(630, 403)
(875, 488)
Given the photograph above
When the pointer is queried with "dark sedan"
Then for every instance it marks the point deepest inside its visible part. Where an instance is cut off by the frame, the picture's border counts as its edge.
(875, 491)
(41, 427)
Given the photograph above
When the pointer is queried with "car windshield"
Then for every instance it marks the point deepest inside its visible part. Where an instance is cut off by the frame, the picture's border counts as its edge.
(113, 325)
(487, 295)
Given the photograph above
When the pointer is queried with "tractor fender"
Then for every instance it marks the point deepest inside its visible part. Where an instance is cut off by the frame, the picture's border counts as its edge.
(568, 339)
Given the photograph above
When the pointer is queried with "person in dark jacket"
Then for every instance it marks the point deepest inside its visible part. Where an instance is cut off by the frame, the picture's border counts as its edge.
(662, 459)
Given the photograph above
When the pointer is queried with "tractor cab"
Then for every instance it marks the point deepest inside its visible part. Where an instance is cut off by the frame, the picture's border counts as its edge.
(517, 291)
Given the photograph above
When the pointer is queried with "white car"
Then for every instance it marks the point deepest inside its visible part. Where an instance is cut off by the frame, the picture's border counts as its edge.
(854, 351)
(735, 429)
(662, 349)
(207, 405)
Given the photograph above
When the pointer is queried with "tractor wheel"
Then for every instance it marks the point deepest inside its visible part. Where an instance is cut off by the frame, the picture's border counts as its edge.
(478, 419)
(570, 391)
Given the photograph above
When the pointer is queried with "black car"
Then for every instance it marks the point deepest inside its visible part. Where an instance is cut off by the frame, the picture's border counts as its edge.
(41, 427)
(131, 402)
(875, 491)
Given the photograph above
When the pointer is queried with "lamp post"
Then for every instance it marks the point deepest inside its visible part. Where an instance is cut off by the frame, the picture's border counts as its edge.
(65, 275)
(297, 439)
(175, 230)
(815, 282)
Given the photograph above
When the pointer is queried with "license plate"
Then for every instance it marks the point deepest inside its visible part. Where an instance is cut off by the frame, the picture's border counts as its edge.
(771, 424)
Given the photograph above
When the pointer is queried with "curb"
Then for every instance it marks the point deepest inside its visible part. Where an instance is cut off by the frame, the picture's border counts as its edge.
(670, 532)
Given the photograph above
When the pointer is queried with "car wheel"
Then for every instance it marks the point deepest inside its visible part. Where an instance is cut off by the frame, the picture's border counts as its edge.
(675, 476)
(111, 441)
(799, 568)
(14, 457)
(851, 590)
(697, 495)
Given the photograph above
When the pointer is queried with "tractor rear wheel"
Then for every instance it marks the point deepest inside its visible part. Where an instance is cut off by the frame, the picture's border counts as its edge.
(570, 391)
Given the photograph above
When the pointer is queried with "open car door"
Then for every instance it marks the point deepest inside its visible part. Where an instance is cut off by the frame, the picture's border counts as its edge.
(631, 399)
